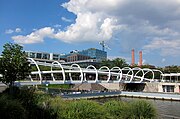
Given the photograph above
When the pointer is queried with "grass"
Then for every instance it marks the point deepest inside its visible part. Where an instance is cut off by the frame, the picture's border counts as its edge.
(56, 86)
(32, 104)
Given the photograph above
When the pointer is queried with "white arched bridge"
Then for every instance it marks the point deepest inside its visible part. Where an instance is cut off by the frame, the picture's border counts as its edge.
(74, 74)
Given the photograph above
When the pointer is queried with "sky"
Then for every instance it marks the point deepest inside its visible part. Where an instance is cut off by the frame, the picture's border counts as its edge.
(60, 26)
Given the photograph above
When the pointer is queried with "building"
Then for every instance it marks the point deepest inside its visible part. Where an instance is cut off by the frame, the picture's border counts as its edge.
(76, 57)
(43, 55)
(91, 53)
(94, 53)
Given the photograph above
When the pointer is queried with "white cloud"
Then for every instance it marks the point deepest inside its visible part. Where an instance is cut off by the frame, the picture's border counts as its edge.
(35, 37)
(166, 46)
(135, 23)
(57, 26)
(17, 30)
(66, 19)
(9, 31)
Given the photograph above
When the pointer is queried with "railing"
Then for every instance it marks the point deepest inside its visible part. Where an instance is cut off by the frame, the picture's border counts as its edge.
(76, 74)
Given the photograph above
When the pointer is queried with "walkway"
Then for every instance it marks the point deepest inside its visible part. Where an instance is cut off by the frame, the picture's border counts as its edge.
(91, 95)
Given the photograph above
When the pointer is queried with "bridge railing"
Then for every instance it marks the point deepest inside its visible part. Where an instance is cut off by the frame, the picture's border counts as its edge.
(75, 74)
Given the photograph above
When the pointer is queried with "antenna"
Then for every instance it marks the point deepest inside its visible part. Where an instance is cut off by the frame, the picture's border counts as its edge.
(104, 46)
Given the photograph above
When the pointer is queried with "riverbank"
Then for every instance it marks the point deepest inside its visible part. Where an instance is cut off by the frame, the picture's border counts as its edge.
(155, 96)
(145, 95)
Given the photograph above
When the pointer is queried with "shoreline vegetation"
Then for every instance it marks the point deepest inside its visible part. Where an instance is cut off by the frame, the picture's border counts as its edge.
(32, 104)
(56, 86)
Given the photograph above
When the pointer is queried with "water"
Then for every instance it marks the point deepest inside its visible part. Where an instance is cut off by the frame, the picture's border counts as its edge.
(166, 109)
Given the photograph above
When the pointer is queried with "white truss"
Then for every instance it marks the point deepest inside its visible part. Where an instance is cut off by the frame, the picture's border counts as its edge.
(91, 74)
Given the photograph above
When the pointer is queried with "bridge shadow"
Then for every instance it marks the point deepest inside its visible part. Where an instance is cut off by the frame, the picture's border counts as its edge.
(135, 87)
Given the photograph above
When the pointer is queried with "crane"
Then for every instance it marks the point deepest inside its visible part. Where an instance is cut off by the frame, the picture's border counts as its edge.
(104, 46)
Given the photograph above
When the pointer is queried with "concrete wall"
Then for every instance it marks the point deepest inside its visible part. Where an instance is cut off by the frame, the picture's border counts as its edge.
(158, 87)
(88, 86)
(176, 86)
(113, 86)
(151, 87)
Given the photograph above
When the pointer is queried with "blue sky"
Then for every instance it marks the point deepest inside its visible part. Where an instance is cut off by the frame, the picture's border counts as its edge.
(61, 26)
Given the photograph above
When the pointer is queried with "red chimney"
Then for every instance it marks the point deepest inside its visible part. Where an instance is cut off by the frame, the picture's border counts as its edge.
(140, 58)
(133, 59)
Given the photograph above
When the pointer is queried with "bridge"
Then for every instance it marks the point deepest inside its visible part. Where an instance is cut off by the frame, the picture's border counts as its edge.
(74, 74)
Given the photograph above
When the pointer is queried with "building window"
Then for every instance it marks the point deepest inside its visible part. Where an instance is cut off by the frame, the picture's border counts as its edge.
(55, 57)
(45, 56)
(39, 55)
(168, 88)
(32, 55)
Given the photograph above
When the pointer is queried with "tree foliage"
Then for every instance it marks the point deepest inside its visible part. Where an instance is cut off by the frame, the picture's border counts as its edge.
(13, 64)
(119, 62)
(171, 69)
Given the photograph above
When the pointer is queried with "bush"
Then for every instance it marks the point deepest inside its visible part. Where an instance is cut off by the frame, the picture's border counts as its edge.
(57, 106)
(33, 102)
(141, 109)
(83, 109)
(11, 109)
(117, 109)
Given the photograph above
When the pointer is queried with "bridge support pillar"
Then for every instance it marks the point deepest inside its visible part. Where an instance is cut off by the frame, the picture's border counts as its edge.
(151, 87)
(113, 86)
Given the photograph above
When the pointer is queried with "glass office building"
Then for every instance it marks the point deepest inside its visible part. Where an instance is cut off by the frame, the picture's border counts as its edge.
(91, 53)
(94, 54)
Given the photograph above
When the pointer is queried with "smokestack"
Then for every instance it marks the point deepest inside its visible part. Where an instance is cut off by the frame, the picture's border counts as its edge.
(140, 58)
(133, 59)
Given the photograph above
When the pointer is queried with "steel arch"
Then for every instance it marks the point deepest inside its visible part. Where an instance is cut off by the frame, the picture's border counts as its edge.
(39, 71)
(147, 71)
(119, 77)
(136, 74)
(63, 72)
(156, 70)
(127, 74)
(96, 72)
(80, 71)
(109, 73)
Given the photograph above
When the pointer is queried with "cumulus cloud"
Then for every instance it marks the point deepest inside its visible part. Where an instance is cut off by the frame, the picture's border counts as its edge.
(35, 37)
(10, 31)
(135, 23)
(66, 19)
(17, 30)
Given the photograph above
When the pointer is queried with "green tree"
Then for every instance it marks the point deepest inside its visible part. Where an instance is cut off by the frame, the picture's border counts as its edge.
(171, 69)
(106, 62)
(119, 62)
(13, 64)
